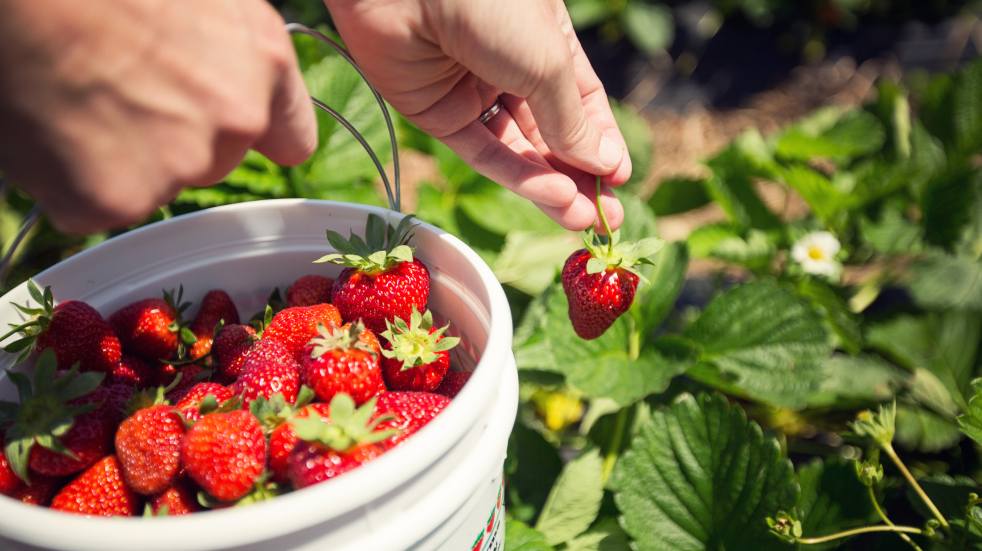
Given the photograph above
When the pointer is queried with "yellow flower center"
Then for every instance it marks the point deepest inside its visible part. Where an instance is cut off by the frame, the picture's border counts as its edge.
(815, 253)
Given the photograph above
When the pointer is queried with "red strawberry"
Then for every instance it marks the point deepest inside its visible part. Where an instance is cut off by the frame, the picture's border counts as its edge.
(191, 374)
(216, 306)
(111, 401)
(331, 447)
(153, 327)
(343, 361)
(9, 481)
(382, 280)
(452, 382)
(190, 403)
(148, 445)
(294, 327)
(99, 491)
(35, 433)
(225, 453)
(408, 411)
(600, 281)
(73, 329)
(269, 368)
(179, 499)
(230, 347)
(417, 355)
(38, 492)
(283, 439)
(309, 290)
(133, 371)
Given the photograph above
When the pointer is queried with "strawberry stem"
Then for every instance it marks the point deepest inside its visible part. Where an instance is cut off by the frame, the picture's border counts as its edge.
(603, 220)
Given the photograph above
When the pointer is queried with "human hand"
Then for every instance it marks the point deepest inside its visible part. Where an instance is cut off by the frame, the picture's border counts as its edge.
(443, 62)
(109, 107)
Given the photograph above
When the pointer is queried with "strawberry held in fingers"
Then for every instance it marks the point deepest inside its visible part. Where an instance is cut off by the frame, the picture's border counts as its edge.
(153, 328)
(382, 280)
(331, 446)
(343, 360)
(417, 354)
(74, 330)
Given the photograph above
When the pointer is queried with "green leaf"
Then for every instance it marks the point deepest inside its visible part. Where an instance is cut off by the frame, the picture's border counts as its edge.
(704, 239)
(530, 261)
(843, 325)
(677, 195)
(732, 187)
(762, 342)
(501, 211)
(832, 499)
(949, 202)
(922, 430)
(854, 381)
(519, 537)
(967, 108)
(574, 501)
(755, 251)
(700, 476)
(586, 13)
(640, 143)
(607, 535)
(825, 200)
(971, 421)
(649, 26)
(854, 134)
(531, 467)
(666, 276)
(600, 367)
(892, 233)
(941, 281)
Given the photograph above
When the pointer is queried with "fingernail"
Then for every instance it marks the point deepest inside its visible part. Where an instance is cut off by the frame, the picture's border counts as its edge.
(610, 152)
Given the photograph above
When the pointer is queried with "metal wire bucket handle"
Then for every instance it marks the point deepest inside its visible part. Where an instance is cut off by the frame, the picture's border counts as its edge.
(392, 192)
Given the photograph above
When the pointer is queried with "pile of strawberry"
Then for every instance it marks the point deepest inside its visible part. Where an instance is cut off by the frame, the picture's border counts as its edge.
(148, 412)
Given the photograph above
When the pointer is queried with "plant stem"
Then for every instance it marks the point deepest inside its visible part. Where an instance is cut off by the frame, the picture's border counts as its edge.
(888, 448)
(857, 531)
(610, 458)
(603, 220)
(887, 521)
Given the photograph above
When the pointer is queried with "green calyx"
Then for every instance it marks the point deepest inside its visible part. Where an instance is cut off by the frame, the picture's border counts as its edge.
(275, 411)
(413, 343)
(44, 415)
(37, 319)
(339, 338)
(346, 427)
(383, 246)
(610, 253)
(879, 426)
(179, 326)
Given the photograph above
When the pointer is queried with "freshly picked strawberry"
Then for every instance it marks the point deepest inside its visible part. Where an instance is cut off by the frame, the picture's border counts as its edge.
(309, 290)
(331, 446)
(269, 368)
(601, 279)
(294, 327)
(99, 491)
(179, 499)
(273, 415)
(148, 446)
(417, 353)
(382, 280)
(38, 492)
(343, 360)
(225, 453)
(153, 328)
(9, 481)
(406, 412)
(73, 329)
(133, 371)
(452, 382)
(216, 309)
(111, 402)
(190, 403)
(230, 347)
(190, 375)
(48, 432)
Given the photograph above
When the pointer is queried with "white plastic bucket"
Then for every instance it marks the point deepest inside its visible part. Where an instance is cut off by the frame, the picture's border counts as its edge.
(441, 489)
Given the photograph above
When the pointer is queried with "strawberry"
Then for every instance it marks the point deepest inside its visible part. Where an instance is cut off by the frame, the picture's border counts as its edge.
(452, 383)
(225, 453)
(74, 330)
(38, 492)
(133, 371)
(179, 499)
(99, 491)
(46, 430)
(343, 361)
(153, 328)
(216, 308)
(309, 290)
(191, 374)
(269, 368)
(600, 281)
(190, 404)
(417, 354)
(329, 447)
(382, 280)
(274, 415)
(111, 402)
(148, 446)
(407, 412)
(230, 347)
(9, 481)
(294, 327)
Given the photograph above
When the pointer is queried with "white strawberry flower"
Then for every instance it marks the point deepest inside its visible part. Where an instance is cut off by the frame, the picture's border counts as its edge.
(815, 252)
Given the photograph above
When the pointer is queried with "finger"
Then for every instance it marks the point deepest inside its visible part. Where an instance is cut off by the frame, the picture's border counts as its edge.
(508, 159)
(291, 137)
